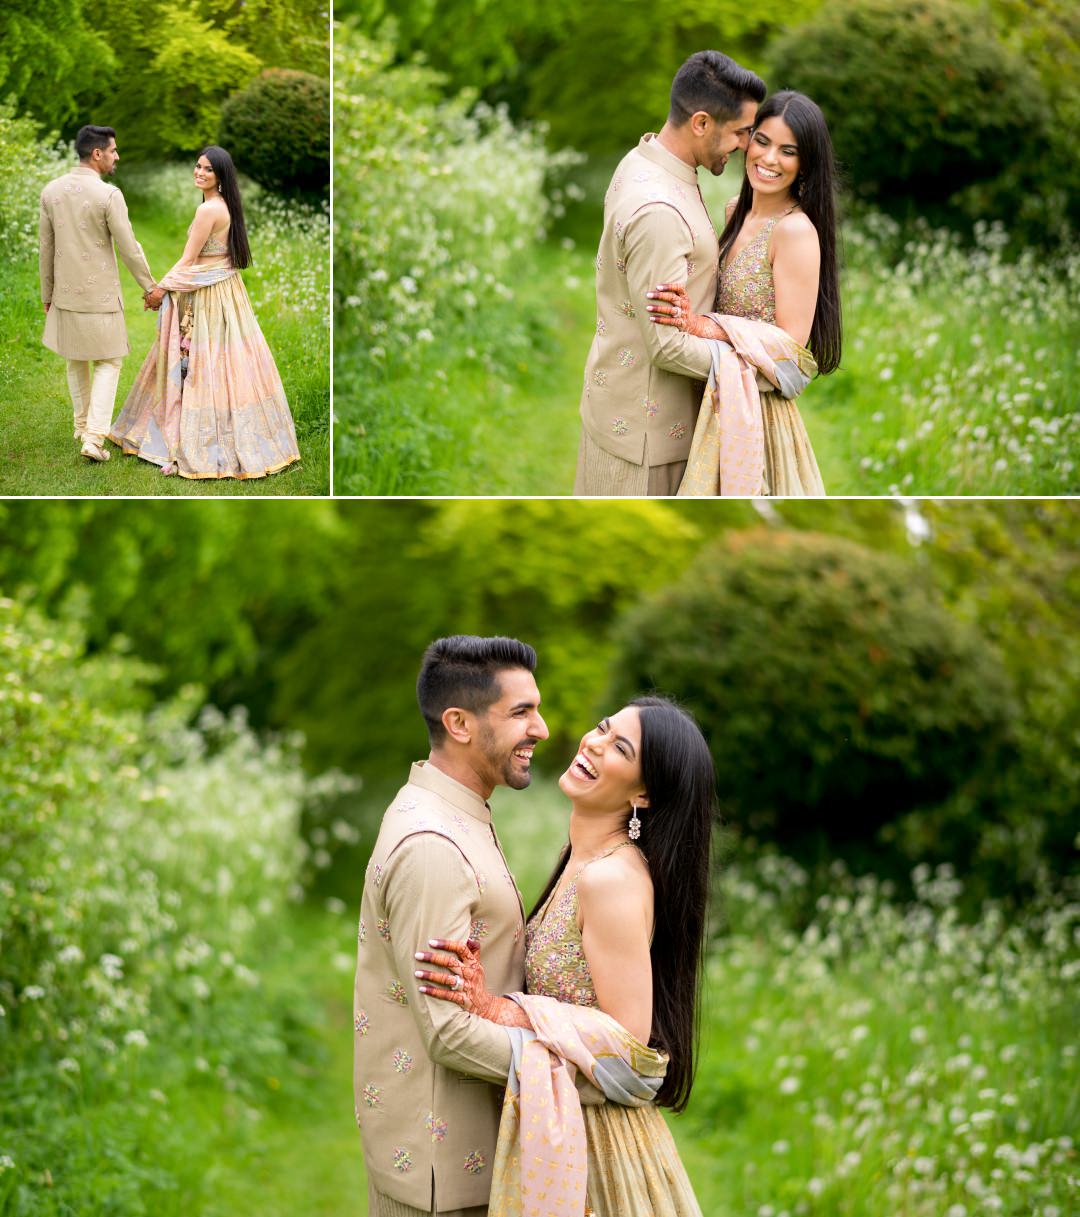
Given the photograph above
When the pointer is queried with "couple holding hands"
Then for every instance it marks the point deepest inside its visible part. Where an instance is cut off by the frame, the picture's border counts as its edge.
(531, 1083)
(208, 401)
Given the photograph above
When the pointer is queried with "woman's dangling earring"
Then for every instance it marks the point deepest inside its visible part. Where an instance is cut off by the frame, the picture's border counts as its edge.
(635, 823)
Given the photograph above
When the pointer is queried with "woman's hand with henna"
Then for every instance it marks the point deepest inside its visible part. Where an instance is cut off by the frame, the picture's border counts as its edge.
(675, 310)
(464, 984)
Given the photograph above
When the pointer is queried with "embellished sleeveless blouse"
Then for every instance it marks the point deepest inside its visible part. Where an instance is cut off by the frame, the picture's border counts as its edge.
(217, 243)
(746, 281)
(555, 963)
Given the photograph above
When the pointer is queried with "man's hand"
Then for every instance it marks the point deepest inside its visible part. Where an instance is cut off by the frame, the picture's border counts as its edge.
(153, 298)
(47, 307)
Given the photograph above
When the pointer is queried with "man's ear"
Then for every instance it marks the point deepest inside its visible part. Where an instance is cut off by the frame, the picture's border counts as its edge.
(458, 724)
(700, 122)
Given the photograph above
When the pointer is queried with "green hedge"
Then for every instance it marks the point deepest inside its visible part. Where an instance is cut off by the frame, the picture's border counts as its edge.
(278, 131)
(921, 96)
(836, 691)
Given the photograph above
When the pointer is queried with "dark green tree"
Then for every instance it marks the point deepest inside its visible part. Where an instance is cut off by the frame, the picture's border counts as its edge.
(278, 129)
(921, 99)
(835, 688)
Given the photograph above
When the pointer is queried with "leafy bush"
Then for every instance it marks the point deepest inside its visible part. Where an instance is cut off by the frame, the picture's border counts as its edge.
(138, 856)
(278, 131)
(835, 690)
(27, 163)
(921, 98)
(437, 204)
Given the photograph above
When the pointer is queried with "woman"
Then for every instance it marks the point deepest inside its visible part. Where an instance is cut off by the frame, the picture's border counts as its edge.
(778, 268)
(613, 955)
(208, 401)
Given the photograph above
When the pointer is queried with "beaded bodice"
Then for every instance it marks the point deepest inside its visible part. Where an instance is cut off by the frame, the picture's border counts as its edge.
(555, 963)
(216, 243)
(746, 281)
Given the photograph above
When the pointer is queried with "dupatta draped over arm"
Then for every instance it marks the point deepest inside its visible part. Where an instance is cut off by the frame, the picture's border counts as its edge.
(727, 455)
(540, 1167)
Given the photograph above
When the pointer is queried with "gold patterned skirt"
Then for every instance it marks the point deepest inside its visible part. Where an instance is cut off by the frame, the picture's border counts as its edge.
(791, 469)
(634, 1167)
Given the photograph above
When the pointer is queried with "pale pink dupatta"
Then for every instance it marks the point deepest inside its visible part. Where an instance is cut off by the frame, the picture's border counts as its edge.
(540, 1167)
(727, 454)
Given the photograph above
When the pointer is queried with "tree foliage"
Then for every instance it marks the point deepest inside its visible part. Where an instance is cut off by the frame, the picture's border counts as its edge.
(835, 689)
(278, 129)
(156, 70)
(921, 100)
(47, 54)
(598, 74)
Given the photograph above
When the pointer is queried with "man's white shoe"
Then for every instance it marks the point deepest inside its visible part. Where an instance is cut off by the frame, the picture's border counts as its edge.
(94, 452)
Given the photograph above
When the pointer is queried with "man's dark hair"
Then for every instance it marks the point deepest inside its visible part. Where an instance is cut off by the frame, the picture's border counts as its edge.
(90, 138)
(714, 83)
(463, 670)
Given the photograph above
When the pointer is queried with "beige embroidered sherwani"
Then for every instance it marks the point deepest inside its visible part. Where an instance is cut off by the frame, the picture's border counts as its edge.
(81, 217)
(644, 382)
(428, 1078)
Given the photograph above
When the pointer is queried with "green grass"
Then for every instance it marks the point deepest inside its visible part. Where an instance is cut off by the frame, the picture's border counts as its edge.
(164, 1137)
(957, 377)
(37, 453)
(883, 1060)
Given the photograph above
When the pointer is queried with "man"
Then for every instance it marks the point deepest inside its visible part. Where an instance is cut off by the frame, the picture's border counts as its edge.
(427, 1111)
(81, 216)
(643, 382)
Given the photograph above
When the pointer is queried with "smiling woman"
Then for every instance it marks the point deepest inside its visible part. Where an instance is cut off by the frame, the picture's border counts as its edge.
(208, 401)
(613, 960)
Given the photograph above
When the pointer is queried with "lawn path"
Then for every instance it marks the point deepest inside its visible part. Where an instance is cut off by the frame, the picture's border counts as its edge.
(543, 404)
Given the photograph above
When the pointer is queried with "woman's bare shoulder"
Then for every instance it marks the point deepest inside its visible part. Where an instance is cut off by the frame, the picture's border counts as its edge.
(624, 868)
(795, 228)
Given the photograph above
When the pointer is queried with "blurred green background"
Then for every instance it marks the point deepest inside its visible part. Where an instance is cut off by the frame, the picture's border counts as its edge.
(205, 708)
(474, 145)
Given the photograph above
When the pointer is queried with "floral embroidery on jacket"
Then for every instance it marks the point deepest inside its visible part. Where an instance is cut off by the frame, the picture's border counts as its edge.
(475, 1162)
(436, 1127)
(360, 1022)
(620, 426)
(402, 1159)
(371, 1095)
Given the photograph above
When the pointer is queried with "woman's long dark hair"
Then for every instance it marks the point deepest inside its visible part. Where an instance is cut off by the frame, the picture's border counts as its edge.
(677, 772)
(229, 185)
(815, 192)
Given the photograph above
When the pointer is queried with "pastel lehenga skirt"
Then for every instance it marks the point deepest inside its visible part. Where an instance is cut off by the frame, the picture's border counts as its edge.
(208, 395)
(634, 1167)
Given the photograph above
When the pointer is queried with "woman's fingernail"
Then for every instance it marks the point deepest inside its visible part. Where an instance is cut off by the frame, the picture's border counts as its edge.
(419, 975)
(419, 955)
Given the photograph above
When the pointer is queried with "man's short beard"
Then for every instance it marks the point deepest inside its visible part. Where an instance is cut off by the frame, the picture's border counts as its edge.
(508, 776)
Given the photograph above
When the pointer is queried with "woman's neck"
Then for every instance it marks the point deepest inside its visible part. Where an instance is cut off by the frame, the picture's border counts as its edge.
(591, 835)
(211, 192)
(765, 206)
